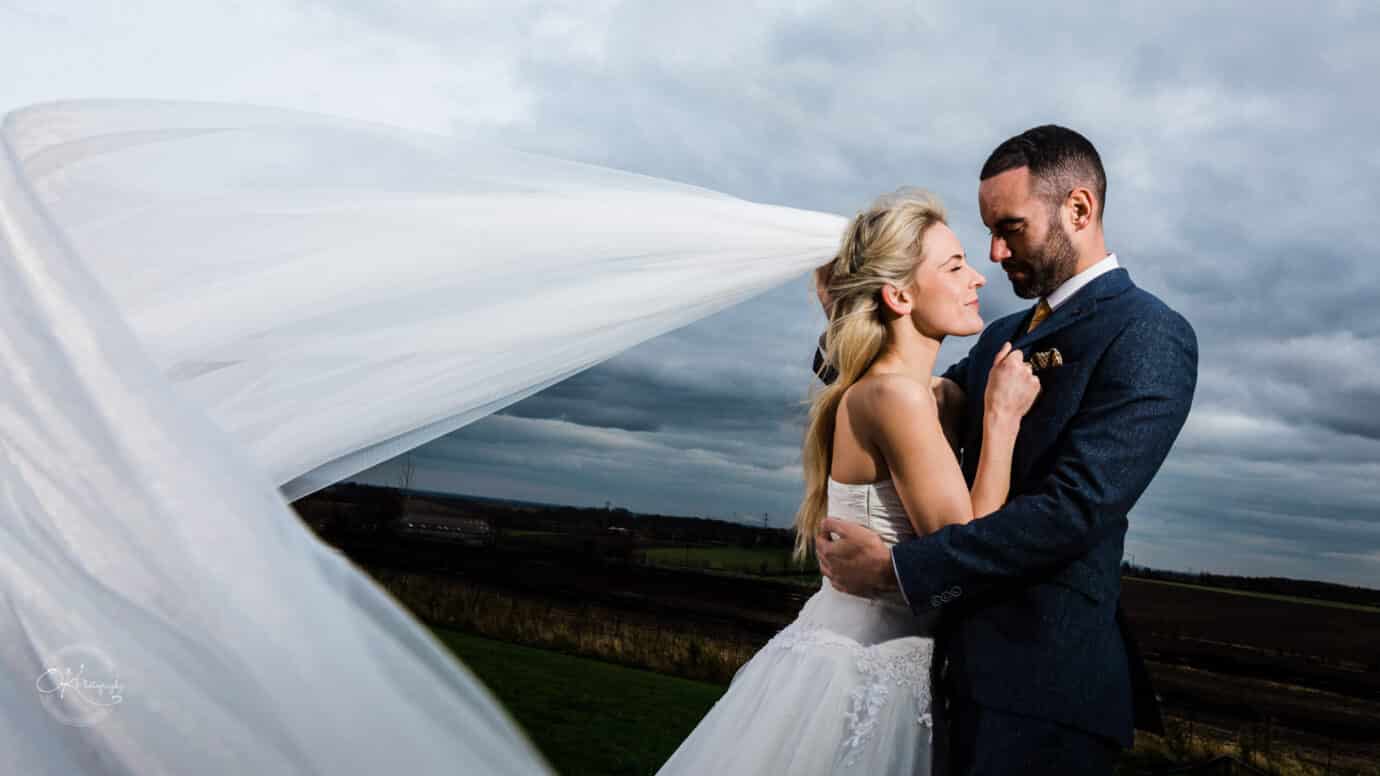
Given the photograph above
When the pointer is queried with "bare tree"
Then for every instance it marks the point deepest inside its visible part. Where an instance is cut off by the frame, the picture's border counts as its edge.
(407, 470)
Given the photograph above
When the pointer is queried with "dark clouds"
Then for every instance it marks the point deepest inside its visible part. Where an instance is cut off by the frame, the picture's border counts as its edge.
(1239, 140)
(1240, 147)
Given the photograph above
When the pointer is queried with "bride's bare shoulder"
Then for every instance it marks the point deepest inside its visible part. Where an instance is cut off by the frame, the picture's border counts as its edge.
(891, 392)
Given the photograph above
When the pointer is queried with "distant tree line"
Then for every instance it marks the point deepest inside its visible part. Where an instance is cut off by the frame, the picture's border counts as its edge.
(358, 511)
(1299, 588)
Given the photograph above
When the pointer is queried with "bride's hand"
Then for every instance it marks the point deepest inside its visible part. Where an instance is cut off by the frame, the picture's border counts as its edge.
(1011, 386)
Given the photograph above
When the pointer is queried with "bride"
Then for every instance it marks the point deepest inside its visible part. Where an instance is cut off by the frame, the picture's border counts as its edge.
(846, 686)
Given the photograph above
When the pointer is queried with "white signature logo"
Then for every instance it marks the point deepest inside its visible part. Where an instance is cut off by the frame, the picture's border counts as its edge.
(80, 686)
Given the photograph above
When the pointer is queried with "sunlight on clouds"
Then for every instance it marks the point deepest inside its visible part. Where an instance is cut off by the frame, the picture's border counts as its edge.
(304, 56)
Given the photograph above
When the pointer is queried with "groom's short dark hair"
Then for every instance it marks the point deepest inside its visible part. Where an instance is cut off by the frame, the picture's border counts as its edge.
(1059, 159)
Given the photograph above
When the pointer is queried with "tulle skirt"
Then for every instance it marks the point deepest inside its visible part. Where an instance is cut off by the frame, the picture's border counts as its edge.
(845, 688)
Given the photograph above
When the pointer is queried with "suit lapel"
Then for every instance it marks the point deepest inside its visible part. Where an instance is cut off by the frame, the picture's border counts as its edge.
(1068, 313)
(1075, 308)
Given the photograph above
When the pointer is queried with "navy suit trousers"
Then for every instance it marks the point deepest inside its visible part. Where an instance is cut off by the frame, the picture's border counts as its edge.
(982, 741)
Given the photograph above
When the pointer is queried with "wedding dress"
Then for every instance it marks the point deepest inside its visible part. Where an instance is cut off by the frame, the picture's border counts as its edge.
(845, 688)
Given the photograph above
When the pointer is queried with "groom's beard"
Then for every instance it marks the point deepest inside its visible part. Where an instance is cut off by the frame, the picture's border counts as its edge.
(1047, 268)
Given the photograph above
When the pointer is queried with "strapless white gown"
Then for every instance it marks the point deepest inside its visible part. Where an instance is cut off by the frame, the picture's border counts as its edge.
(845, 688)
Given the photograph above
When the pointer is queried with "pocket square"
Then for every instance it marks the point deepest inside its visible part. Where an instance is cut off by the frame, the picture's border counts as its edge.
(1046, 359)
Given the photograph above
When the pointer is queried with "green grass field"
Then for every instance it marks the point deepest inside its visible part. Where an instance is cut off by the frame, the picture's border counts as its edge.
(1252, 594)
(745, 560)
(589, 718)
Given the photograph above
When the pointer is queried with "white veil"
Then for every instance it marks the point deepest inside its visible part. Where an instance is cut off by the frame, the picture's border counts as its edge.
(208, 308)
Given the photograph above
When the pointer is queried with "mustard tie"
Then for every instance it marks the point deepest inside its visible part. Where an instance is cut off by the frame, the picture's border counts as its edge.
(1042, 311)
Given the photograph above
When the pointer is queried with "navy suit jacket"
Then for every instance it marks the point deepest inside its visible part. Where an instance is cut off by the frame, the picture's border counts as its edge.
(1031, 592)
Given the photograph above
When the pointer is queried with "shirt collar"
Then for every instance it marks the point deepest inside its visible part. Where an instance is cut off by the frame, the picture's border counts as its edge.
(1074, 284)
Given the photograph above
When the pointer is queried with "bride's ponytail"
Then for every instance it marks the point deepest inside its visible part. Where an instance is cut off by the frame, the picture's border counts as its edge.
(881, 246)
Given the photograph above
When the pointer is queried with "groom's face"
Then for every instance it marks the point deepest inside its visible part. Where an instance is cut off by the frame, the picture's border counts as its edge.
(1028, 236)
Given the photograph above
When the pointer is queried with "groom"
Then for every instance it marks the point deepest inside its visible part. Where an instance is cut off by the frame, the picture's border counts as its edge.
(1039, 676)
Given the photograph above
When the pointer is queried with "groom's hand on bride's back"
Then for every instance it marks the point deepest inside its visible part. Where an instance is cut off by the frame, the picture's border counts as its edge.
(855, 559)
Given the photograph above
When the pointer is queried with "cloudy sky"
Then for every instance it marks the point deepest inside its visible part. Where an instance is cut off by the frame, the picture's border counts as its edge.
(1244, 183)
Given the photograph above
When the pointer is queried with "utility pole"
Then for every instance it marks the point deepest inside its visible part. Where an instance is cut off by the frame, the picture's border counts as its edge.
(407, 471)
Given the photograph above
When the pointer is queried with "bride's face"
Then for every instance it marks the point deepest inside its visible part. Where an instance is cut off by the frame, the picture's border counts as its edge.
(946, 287)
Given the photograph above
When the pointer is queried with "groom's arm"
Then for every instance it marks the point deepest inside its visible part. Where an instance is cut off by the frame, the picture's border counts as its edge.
(1137, 402)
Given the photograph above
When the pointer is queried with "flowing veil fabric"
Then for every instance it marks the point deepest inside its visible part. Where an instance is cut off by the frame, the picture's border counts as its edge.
(210, 308)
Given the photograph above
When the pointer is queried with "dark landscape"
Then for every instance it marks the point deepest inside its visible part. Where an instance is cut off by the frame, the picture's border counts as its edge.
(1281, 674)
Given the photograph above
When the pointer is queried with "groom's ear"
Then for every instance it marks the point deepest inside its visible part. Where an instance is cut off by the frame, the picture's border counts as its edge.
(1082, 208)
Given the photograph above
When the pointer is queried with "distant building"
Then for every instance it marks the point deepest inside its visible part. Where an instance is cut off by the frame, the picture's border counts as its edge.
(466, 530)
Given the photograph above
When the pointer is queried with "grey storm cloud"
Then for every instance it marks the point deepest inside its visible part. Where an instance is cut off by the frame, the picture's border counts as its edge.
(1239, 144)
(1239, 141)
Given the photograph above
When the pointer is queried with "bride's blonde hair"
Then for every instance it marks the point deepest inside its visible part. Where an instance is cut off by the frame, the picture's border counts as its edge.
(881, 246)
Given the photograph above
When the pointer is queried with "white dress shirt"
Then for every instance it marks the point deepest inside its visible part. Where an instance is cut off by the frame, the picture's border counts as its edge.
(1056, 297)
(1075, 284)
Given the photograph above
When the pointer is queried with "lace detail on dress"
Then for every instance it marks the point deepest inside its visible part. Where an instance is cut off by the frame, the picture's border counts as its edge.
(881, 669)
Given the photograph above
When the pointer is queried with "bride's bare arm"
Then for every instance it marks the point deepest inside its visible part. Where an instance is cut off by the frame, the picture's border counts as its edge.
(1011, 390)
(923, 468)
(922, 464)
(992, 484)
